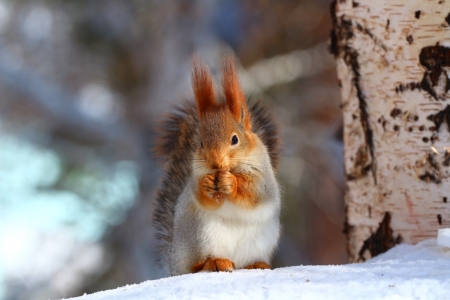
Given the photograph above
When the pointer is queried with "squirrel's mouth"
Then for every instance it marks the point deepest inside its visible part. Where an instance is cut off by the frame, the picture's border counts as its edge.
(215, 170)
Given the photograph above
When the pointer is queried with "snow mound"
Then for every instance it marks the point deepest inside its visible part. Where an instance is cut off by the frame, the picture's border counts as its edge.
(404, 272)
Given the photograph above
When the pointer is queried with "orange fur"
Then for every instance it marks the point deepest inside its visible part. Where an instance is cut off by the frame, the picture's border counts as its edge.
(258, 265)
(239, 188)
(251, 140)
(244, 194)
(233, 93)
(202, 85)
(198, 266)
(213, 265)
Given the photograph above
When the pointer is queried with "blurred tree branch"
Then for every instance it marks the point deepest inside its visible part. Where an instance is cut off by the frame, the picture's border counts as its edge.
(59, 104)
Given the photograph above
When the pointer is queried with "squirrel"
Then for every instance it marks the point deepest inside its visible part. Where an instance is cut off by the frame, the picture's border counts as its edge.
(218, 207)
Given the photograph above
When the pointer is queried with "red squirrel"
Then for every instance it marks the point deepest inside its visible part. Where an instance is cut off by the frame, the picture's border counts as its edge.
(218, 207)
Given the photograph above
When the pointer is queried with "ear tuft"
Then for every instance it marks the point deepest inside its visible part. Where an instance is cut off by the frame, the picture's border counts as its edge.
(202, 85)
(233, 93)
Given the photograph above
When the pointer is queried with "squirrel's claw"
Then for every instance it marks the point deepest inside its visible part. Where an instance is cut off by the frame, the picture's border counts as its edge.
(258, 265)
(209, 184)
(214, 265)
(226, 182)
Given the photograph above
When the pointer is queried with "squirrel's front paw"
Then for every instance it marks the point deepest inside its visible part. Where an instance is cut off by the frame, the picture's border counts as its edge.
(209, 183)
(214, 265)
(209, 195)
(226, 182)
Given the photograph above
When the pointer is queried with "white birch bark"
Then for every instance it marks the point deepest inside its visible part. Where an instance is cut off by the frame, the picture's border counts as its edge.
(393, 65)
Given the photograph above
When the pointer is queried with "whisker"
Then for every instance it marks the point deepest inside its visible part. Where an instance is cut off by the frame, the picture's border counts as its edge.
(200, 168)
(254, 154)
(226, 154)
(247, 162)
(198, 159)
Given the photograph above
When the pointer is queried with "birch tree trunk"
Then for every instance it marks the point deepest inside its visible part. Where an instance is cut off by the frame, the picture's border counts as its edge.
(393, 65)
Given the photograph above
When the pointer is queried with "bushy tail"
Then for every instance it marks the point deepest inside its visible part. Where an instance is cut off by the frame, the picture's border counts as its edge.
(178, 138)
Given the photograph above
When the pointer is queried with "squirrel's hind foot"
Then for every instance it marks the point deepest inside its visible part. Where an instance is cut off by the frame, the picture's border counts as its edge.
(213, 265)
(258, 265)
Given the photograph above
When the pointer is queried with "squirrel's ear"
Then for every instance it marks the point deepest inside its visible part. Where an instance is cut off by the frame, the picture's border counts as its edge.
(202, 85)
(233, 93)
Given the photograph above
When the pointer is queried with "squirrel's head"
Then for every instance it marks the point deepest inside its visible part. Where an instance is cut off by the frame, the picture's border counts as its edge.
(225, 127)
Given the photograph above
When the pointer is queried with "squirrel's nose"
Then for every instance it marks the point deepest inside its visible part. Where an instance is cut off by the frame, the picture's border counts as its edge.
(216, 162)
(222, 166)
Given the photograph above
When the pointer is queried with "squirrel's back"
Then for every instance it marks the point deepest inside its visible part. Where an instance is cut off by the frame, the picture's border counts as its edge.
(175, 145)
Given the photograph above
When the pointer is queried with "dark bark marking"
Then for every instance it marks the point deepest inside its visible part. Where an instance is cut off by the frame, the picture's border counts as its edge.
(347, 229)
(396, 127)
(435, 79)
(340, 35)
(447, 19)
(434, 138)
(434, 58)
(433, 163)
(351, 59)
(445, 199)
(407, 86)
(421, 128)
(446, 163)
(341, 32)
(417, 14)
(395, 112)
(383, 122)
(439, 218)
(442, 116)
(425, 139)
(355, 4)
(431, 170)
(410, 39)
(335, 32)
(380, 241)
(429, 177)
(369, 33)
(362, 164)
(388, 23)
(410, 117)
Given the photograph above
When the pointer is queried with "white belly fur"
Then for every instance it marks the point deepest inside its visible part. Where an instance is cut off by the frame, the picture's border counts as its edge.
(240, 235)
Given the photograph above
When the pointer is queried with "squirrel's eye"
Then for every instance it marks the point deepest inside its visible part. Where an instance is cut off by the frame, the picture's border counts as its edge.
(201, 145)
(234, 140)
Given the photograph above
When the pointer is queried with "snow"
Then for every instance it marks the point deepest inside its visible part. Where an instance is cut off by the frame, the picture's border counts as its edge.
(443, 238)
(404, 272)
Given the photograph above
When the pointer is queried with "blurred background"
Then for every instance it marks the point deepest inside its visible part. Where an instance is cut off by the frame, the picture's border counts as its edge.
(82, 85)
